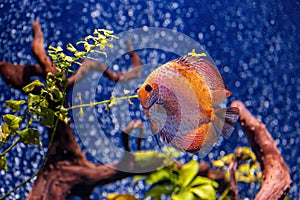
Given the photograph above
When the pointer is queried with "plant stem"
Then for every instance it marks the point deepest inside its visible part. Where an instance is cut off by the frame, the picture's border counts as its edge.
(101, 102)
(11, 146)
(47, 153)
(224, 194)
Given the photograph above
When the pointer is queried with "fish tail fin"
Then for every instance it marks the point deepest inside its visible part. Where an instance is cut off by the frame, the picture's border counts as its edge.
(225, 119)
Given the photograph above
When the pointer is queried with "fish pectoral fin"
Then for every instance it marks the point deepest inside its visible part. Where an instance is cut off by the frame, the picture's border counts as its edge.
(225, 120)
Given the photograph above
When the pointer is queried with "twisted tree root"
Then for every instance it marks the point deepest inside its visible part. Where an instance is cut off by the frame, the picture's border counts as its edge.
(276, 175)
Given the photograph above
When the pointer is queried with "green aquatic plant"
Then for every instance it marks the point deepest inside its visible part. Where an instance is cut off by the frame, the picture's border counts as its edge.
(180, 182)
(240, 166)
(114, 196)
(46, 101)
(198, 55)
(40, 95)
(247, 170)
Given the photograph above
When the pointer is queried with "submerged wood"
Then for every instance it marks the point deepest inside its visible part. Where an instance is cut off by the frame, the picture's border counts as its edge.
(276, 174)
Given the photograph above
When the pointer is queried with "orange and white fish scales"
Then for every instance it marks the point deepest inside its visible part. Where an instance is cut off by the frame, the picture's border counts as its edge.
(179, 99)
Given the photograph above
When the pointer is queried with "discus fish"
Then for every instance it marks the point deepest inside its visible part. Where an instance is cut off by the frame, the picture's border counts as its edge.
(181, 99)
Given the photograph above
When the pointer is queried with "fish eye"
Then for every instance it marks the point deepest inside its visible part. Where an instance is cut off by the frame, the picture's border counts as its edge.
(148, 88)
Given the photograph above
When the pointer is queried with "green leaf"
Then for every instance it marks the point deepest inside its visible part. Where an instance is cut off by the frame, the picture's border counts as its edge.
(246, 174)
(185, 195)
(100, 52)
(244, 168)
(55, 49)
(81, 113)
(62, 114)
(69, 59)
(71, 48)
(204, 192)
(113, 102)
(32, 85)
(171, 152)
(245, 153)
(187, 173)
(158, 190)
(48, 117)
(14, 105)
(137, 178)
(80, 54)
(149, 158)
(58, 74)
(44, 103)
(243, 177)
(13, 121)
(199, 180)
(228, 158)
(193, 53)
(218, 163)
(227, 175)
(33, 100)
(58, 95)
(158, 176)
(114, 196)
(30, 136)
(4, 133)
(89, 37)
(255, 166)
(252, 156)
(3, 164)
(106, 32)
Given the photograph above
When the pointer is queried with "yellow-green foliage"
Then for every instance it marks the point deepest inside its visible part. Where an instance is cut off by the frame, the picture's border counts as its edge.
(198, 55)
(54, 90)
(248, 169)
(181, 183)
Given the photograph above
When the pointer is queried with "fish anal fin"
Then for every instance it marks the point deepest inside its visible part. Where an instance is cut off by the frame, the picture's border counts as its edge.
(225, 120)
(209, 141)
(209, 138)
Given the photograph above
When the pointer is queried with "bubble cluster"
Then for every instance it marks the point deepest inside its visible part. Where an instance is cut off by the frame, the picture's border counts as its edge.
(253, 43)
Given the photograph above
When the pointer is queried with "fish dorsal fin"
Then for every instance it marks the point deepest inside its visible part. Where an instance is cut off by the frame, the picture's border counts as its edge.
(211, 75)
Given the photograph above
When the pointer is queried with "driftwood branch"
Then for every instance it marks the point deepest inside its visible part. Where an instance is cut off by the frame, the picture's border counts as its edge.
(18, 76)
(233, 181)
(276, 175)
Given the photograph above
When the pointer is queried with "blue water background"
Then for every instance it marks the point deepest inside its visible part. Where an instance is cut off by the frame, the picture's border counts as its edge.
(255, 45)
